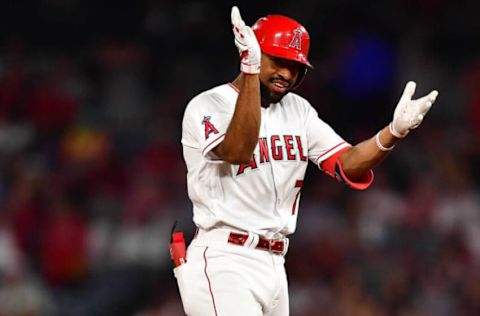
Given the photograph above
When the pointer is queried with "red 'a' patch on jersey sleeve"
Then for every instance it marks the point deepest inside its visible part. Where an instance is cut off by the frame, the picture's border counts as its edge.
(209, 128)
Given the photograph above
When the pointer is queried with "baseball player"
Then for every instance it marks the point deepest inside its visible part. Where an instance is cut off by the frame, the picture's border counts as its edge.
(246, 145)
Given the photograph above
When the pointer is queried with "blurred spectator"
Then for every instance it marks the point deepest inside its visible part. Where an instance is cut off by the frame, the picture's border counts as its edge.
(49, 107)
(20, 293)
(63, 245)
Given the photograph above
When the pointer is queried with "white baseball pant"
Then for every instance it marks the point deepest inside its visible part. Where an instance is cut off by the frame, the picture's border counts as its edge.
(223, 279)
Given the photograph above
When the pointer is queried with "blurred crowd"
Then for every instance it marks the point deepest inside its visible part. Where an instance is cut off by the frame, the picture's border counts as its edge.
(92, 175)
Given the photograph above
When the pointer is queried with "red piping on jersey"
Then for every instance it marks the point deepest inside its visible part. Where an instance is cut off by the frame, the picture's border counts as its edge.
(233, 87)
(334, 147)
(213, 141)
(209, 284)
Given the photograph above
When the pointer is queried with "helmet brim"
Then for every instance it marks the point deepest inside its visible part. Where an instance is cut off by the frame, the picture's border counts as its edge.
(281, 52)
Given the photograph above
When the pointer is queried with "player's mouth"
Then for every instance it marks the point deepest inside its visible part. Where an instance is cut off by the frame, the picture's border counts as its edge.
(279, 85)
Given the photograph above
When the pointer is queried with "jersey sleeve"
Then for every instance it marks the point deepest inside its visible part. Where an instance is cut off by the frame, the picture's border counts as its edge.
(323, 141)
(205, 123)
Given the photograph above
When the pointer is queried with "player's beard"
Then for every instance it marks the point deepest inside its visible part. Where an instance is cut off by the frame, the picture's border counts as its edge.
(269, 96)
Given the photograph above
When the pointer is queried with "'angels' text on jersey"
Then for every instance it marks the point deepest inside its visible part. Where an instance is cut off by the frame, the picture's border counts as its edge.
(291, 145)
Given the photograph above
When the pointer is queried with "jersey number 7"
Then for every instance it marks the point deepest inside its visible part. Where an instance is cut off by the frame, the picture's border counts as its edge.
(298, 184)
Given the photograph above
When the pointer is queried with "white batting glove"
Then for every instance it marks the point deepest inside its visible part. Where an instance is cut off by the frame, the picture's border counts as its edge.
(246, 43)
(409, 113)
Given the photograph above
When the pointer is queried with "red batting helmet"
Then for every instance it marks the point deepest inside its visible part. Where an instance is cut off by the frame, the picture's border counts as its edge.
(283, 37)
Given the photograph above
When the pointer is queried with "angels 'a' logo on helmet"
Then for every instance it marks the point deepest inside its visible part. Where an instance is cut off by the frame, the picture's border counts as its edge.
(296, 41)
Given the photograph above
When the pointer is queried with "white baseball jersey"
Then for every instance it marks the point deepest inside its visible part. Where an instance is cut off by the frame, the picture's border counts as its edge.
(261, 197)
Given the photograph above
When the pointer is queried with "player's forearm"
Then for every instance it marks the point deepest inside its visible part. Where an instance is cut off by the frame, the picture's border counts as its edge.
(359, 159)
(242, 133)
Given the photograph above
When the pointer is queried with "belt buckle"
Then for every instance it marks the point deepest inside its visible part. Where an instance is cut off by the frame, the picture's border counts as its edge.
(282, 242)
(271, 243)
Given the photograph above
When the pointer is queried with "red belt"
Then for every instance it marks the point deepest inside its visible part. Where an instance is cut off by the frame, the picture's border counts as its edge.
(273, 245)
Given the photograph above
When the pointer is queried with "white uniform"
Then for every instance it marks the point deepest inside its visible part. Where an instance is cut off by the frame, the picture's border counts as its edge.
(260, 198)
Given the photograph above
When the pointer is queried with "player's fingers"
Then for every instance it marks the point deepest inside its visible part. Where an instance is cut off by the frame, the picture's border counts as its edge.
(427, 105)
(235, 14)
(241, 46)
(249, 32)
(409, 91)
(428, 101)
(237, 21)
(420, 119)
(433, 96)
(417, 121)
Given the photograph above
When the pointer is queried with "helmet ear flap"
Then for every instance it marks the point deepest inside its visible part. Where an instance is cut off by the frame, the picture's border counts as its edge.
(301, 76)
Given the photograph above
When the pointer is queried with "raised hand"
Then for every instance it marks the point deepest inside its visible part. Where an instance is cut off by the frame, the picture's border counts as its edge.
(247, 44)
(409, 113)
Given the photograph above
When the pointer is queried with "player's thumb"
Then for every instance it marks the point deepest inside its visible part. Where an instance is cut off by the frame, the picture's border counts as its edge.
(235, 16)
(409, 91)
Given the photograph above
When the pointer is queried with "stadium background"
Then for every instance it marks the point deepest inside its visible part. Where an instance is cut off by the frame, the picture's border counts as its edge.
(92, 175)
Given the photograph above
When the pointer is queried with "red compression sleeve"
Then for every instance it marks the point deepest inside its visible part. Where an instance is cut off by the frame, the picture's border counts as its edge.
(333, 168)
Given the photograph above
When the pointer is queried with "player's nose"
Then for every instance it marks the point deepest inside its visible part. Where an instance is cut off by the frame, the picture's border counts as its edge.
(286, 73)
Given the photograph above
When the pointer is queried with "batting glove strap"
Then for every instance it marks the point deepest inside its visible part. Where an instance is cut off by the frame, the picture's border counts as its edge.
(394, 132)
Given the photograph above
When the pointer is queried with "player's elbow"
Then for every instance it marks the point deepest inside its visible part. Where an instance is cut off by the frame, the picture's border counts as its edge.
(234, 155)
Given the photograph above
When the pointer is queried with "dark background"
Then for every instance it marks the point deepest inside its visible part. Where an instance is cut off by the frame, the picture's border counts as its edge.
(92, 175)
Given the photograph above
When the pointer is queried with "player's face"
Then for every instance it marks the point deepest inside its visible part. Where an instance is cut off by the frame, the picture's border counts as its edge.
(277, 77)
